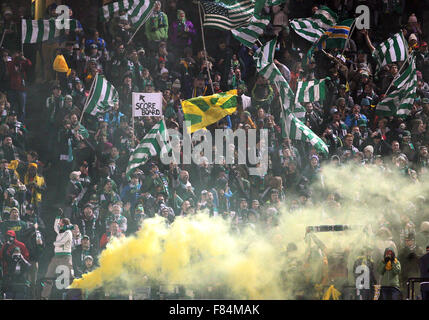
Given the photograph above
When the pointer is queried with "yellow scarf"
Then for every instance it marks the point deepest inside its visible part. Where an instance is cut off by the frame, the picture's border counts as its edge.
(389, 265)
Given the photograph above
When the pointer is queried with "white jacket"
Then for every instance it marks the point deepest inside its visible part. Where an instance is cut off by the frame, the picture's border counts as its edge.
(63, 243)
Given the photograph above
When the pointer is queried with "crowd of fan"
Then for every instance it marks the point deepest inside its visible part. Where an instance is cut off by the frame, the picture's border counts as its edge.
(86, 160)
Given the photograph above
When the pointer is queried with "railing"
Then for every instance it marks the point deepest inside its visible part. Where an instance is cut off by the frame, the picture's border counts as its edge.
(410, 285)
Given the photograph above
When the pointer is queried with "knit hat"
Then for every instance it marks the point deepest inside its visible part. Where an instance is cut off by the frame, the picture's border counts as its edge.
(412, 18)
(88, 257)
(11, 191)
(176, 84)
(406, 133)
(369, 148)
(68, 97)
(365, 102)
(412, 37)
(361, 123)
(32, 164)
(14, 209)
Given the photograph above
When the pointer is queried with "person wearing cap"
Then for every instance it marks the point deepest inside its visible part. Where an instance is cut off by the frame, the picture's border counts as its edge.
(125, 93)
(9, 202)
(156, 28)
(35, 185)
(84, 249)
(54, 104)
(9, 245)
(407, 146)
(14, 223)
(69, 107)
(181, 33)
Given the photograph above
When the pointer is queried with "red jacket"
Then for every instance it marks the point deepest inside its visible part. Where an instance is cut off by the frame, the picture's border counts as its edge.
(17, 70)
(7, 249)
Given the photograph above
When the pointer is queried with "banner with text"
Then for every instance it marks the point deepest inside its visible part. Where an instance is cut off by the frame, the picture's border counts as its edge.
(147, 104)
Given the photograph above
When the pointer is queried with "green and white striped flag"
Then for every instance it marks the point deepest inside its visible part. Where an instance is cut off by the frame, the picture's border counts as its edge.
(108, 11)
(400, 101)
(297, 130)
(141, 12)
(102, 96)
(155, 143)
(260, 4)
(392, 50)
(311, 91)
(325, 17)
(265, 55)
(313, 28)
(249, 34)
(34, 31)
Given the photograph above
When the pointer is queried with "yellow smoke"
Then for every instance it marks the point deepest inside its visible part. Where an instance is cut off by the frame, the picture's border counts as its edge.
(199, 251)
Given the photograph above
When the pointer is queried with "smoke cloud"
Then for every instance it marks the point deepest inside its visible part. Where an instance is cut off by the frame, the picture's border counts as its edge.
(280, 262)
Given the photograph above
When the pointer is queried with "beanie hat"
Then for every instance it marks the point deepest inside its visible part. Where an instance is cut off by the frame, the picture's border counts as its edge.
(11, 191)
(369, 148)
(176, 84)
(365, 102)
(11, 233)
(412, 37)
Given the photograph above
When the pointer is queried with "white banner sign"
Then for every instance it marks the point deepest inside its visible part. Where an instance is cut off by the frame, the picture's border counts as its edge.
(147, 104)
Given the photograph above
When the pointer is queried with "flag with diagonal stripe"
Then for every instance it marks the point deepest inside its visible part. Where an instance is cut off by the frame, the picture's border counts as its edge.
(249, 34)
(400, 101)
(313, 28)
(102, 96)
(299, 131)
(155, 143)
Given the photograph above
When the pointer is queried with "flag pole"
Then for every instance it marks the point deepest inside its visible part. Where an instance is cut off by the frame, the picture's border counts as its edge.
(144, 21)
(350, 35)
(399, 71)
(88, 98)
(2, 38)
(204, 46)
(283, 114)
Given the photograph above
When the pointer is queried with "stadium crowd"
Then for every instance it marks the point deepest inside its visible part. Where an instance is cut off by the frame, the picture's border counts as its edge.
(64, 169)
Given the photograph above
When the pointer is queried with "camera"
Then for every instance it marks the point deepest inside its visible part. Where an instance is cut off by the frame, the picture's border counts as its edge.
(16, 257)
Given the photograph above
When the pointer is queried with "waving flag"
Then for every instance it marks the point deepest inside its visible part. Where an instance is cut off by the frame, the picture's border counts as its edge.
(108, 11)
(34, 31)
(155, 143)
(227, 14)
(249, 34)
(400, 101)
(310, 91)
(313, 28)
(392, 50)
(204, 111)
(102, 96)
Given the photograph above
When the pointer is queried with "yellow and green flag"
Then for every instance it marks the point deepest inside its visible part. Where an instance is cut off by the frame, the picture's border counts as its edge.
(204, 111)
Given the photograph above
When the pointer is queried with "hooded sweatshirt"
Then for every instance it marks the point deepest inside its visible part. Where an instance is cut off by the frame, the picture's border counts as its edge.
(389, 271)
(63, 242)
